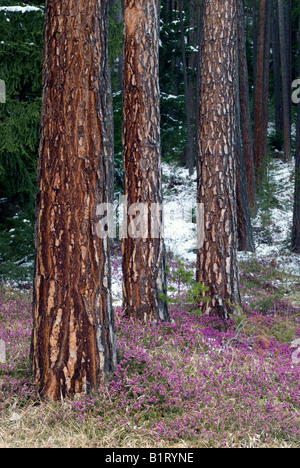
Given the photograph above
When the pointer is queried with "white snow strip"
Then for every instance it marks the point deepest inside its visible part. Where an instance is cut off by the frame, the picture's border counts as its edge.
(20, 9)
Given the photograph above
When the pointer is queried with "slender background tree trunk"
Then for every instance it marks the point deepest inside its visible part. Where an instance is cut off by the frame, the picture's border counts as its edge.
(73, 344)
(289, 55)
(189, 133)
(286, 84)
(276, 68)
(296, 219)
(261, 91)
(244, 224)
(266, 88)
(245, 113)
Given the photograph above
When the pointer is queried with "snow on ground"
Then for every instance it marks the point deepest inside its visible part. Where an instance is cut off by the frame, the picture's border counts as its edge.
(180, 195)
(180, 231)
(180, 192)
(279, 225)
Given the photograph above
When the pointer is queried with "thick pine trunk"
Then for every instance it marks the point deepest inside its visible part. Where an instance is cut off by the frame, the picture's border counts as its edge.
(217, 250)
(143, 253)
(73, 344)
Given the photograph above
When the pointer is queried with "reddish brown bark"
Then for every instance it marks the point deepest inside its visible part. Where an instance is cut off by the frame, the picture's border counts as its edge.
(276, 68)
(286, 84)
(187, 89)
(261, 92)
(143, 257)
(266, 86)
(245, 114)
(73, 344)
(217, 254)
(296, 218)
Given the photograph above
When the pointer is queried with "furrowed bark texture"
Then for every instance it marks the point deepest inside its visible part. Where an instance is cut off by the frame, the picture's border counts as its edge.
(217, 257)
(143, 258)
(73, 343)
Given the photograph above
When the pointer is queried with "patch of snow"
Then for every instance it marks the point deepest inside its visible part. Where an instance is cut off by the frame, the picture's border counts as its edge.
(170, 96)
(281, 221)
(180, 195)
(20, 9)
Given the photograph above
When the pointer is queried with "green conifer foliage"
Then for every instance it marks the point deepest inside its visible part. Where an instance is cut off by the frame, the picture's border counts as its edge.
(20, 68)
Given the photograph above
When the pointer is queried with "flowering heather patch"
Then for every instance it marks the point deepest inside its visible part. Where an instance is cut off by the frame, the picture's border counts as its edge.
(179, 381)
(15, 331)
(197, 380)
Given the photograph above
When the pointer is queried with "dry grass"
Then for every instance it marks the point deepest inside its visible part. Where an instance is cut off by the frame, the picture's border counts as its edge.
(33, 426)
(30, 429)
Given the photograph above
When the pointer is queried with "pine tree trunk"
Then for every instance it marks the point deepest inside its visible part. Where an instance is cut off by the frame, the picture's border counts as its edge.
(189, 132)
(217, 247)
(261, 91)
(255, 35)
(192, 61)
(276, 68)
(118, 19)
(144, 281)
(286, 85)
(296, 219)
(266, 87)
(174, 59)
(243, 134)
(244, 224)
(289, 53)
(73, 344)
(245, 113)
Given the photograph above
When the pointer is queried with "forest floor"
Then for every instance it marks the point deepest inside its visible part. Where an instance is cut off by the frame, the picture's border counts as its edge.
(194, 382)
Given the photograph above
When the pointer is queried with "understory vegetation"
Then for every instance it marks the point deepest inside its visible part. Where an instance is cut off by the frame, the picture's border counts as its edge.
(195, 382)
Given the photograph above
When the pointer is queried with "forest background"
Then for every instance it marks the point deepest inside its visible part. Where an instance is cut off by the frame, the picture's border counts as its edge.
(21, 69)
